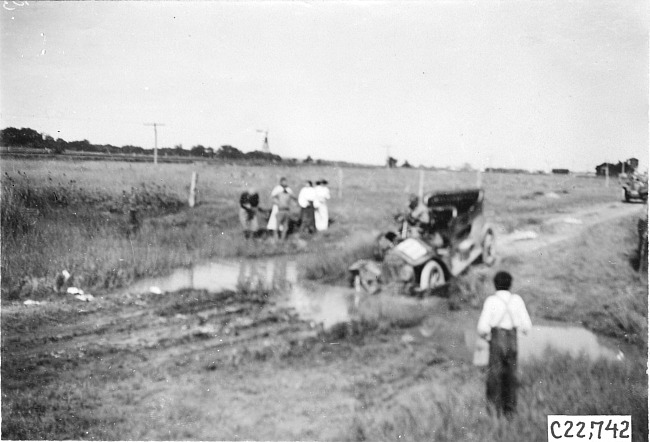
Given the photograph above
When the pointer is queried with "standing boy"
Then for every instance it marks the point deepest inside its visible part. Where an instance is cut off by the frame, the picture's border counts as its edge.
(503, 314)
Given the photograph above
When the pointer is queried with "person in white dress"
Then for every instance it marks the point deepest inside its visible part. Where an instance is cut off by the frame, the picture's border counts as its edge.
(321, 213)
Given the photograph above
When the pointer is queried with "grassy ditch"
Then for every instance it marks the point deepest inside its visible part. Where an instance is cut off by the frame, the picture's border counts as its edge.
(61, 225)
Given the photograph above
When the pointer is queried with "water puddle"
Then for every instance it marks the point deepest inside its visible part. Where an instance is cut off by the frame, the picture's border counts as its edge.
(574, 341)
(326, 305)
(320, 304)
(224, 275)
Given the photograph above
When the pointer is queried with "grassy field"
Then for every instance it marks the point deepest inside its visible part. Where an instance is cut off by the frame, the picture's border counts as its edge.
(81, 224)
(199, 365)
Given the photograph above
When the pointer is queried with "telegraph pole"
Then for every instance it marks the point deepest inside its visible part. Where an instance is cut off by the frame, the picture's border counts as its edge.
(155, 137)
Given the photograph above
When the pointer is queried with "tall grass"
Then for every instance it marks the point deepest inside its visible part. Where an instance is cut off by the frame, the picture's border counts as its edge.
(552, 385)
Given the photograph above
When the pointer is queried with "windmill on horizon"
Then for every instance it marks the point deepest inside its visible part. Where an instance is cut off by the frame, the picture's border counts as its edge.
(265, 145)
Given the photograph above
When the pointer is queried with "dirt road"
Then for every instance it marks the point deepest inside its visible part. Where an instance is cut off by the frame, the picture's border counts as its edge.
(557, 228)
(195, 364)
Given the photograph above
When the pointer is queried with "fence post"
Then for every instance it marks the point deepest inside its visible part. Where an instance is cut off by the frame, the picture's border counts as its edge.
(606, 175)
(192, 198)
(421, 187)
(340, 182)
(479, 178)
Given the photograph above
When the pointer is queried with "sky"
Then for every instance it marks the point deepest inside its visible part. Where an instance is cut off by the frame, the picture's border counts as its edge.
(526, 84)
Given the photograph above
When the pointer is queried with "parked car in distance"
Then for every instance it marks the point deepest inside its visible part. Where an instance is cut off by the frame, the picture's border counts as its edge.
(634, 186)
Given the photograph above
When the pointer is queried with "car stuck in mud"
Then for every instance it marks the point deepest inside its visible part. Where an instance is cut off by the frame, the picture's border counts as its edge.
(423, 257)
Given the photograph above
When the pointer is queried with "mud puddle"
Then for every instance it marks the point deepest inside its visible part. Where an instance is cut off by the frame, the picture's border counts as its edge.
(315, 303)
(574, 341)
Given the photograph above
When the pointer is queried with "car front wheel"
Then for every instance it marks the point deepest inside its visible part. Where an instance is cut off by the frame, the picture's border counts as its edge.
(432, 276)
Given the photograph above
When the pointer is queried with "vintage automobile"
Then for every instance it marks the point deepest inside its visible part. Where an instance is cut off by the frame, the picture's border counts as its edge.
(425, 257)
(634, 186)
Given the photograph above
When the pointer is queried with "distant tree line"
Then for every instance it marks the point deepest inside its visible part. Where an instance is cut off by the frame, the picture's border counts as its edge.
(26, 137)
(29, 138)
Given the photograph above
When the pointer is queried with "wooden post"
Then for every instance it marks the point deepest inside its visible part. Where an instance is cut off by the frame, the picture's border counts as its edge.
(606, 175)
(340, 182)
(192, 198)
(478, 178)
(421, 187)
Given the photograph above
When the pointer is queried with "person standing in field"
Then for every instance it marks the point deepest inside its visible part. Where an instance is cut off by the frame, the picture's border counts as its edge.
(503, 314)
(272, 225)
(321, 213)
(248, 208)
(281, 196)
(306, 199)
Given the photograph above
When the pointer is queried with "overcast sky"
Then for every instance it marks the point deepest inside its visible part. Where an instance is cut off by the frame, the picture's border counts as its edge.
(531, 84)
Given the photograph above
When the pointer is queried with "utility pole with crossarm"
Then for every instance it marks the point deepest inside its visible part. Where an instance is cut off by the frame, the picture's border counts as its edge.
(155, 136)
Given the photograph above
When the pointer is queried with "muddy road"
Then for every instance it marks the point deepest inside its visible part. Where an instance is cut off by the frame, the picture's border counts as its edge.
(246, 351)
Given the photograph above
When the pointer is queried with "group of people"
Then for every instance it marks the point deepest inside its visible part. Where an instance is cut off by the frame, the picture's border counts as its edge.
(312, 201)
(502, 315)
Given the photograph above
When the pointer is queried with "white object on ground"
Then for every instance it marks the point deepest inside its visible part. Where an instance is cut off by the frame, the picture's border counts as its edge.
(481, 352)
(85, 298)
(408, 338)
(74, 291)
(551, 195)
(523, 235)
(30, 302)
(572, 221)
(155, 290)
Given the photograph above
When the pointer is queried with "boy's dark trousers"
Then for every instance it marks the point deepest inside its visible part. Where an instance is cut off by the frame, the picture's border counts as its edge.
(502, 370)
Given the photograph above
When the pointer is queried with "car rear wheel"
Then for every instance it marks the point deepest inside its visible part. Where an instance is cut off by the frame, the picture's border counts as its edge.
(432, 276)
(488, 254)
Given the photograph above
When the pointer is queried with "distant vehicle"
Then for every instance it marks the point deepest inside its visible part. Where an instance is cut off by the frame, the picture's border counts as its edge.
(634, 186)
(426, 258)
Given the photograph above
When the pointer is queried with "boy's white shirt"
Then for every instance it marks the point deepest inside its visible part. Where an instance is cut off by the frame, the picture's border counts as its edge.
(494, 314)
